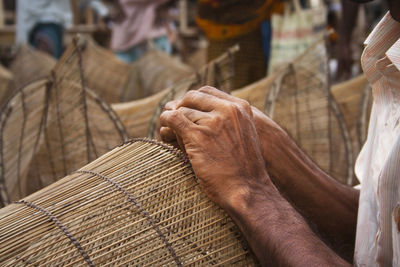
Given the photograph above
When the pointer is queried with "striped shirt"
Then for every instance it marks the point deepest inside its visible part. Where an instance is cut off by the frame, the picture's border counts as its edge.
(378, 165)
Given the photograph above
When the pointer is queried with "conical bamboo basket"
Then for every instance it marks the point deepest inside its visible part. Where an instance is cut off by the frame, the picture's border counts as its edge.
(138, 205)
(257, 92)
(152, 73)
(116, 81)
(7, 85)
(30, 65)
(355, 101)
(300, 101)
(140, 117)
(52, 127)
(105, 74)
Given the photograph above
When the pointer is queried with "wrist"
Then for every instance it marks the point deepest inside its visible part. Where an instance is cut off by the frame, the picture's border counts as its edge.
(244, 203)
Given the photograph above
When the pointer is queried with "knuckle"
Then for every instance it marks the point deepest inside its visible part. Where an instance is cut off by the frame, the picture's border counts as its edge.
(245, 107)
(171, 105)
(206, 89)
(216, 119)
(230, 107)
(190, 95)
(174, 114)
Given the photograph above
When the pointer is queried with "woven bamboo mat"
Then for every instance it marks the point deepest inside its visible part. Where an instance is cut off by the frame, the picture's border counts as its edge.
(7, 85)
(152, 73)
(140, 117)
(30, 65)
(138, 205)
(52, 127)
(300, 101)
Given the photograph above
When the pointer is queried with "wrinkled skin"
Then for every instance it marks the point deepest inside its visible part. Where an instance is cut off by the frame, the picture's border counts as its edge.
(205, 125)
(229, 144)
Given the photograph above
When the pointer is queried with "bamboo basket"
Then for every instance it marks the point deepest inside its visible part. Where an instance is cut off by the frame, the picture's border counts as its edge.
(300, 101)
(135, 115)
(52, 127)
(104, 73)
(30, 65)
(152, 73)
(140, 117)
(355, 101)
(138, 205)
(6, 85)
(257, 92)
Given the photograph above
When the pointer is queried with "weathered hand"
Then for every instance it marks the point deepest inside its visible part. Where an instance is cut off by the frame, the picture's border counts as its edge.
(219, 134)
(272, 136)
(221, 141)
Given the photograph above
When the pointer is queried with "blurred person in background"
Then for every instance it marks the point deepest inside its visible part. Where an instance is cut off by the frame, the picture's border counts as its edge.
(138, 26)
(226, 23)
(42, 23)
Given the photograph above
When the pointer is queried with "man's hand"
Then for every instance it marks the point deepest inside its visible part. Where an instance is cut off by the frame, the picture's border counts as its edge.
(221, 141)
(220, 137)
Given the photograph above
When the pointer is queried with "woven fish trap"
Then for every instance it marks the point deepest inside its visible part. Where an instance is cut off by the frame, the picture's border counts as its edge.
(257, 92)
(135, 115)
(139, 205)
(105, 74)
(355, 101)
(52, 127)
(140, 117)
(152, 73)
(300, 101)
(30, 65)
(6, 85)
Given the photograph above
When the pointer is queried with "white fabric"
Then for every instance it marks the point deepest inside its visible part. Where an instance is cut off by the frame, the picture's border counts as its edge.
(378, 165)
(139, 24)
(294, 32)
(31, 12)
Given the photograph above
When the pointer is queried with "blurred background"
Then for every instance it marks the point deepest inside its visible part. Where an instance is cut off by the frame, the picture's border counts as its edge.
(193, 31)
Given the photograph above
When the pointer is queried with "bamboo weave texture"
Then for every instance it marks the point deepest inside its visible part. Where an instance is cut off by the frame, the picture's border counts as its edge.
(139, 205)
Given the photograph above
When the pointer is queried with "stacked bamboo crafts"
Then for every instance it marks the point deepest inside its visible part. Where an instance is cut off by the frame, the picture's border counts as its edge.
(7, 85)
(300, 101)
(104, 73)
(298, 98)
(152, 73)
(116, 81)
(137, 205)
(30, 65)
(355, 100)
(51, 127)
(140, 117)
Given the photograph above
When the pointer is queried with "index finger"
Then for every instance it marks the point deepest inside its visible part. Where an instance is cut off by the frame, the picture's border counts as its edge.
(200, 101)
(220, 94)
(175, 120)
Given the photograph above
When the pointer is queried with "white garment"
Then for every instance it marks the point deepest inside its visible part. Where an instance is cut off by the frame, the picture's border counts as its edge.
(138, 25)
(31, 12)
(378, 165)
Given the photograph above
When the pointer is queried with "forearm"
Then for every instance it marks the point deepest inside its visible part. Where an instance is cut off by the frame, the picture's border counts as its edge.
(277, 234)
(328, 205)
